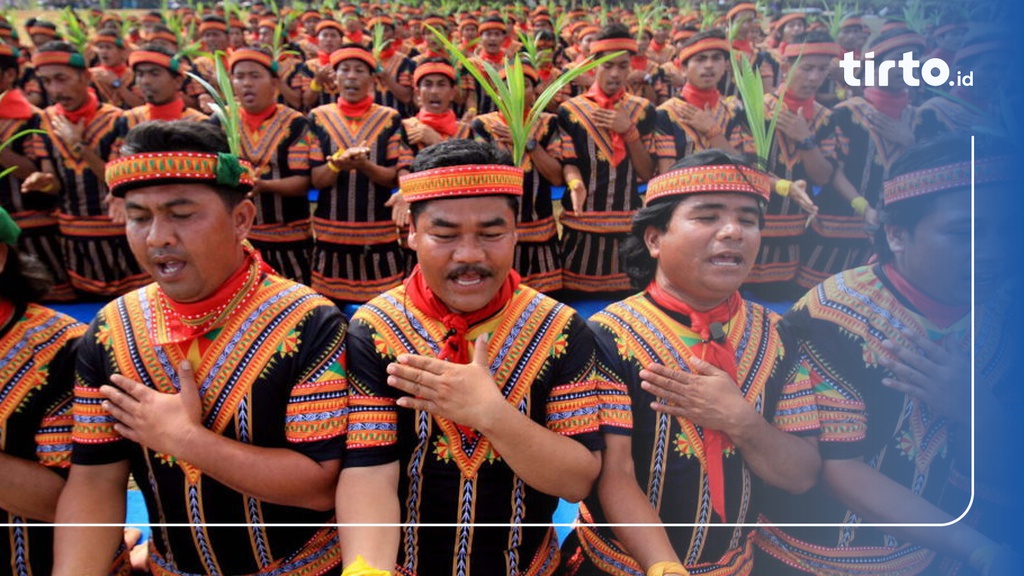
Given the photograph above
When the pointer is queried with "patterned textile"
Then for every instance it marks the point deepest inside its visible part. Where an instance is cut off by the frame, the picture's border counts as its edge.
(37, 359)
(542, 358)
(400, 68)
(538, 259)
(96, 255)
(841, 325)
(356, 255)
(33, 212)
(675, 139)
(135, 116)
(669, 452)
(271, 373)
(590, 240)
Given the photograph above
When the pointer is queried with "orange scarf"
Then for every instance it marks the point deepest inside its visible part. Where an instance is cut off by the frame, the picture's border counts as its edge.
(355, 109)
(700, 98)
(942, 315)
(166, 112)
(85, 112)
(608, 103)
(14, 105)
(445, 124)
(253, 120)
(718, 353)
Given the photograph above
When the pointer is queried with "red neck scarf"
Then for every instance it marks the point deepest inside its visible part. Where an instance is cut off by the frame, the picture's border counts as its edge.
(804, 107)
(14, 105)
(655, 47)
(608, 103)
(942, 315)
(745, 46)
(166, 112)
(701, 98)
(456, 347)
(545, 73)
(638, 62)
(428, 53)
(253, 121)
(782, 47)
(186, 321)
(117, 71)
(355, 37)
(355, 109)
(892, 104)
(496, 59)
(388, 52)
(6, 312)
(445, 124)
(323, 57)
(717, 353)
(85, 112)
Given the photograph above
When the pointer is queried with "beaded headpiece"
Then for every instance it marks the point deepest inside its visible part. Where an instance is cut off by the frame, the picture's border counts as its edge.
(705, 179)
(949, 177)
(159, 168)
(462, 182)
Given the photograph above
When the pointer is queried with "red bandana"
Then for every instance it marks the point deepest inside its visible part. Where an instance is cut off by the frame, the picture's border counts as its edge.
(323, 57)
(6, 312)
(700, 98)
(745, 46)
(608, 103)
(355, 109)
(85, 112)
(718, 354)
(166, 112)
(445, 124)
(428, 53)
(117, 71)
(253, 121)
(655, 47)
(892, 104)
(456, 348)
(355, 37)
(14, 105)
(942, 315)
(187, 321)
(388, 52)
(638, 62)
(496, 59)
(804, 107)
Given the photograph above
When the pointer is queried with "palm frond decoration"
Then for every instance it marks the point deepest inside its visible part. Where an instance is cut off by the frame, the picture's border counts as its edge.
(708, 15)
(9, 141)
(74, 32)
(279, 47)
(840, 10)
(604, 13)
(751, 91)
(509, 93)
(379, 43)
(647, 17)
(531, 48)
(225, 106)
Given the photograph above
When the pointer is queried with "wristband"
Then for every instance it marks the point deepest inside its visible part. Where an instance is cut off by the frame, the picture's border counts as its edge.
(662, 568)
(782, 187)
(632, 135)
(361, 568)
(471, 110)
(49, 188)
(315, 86)
(859, 205)
(572, 183)
(332, 167)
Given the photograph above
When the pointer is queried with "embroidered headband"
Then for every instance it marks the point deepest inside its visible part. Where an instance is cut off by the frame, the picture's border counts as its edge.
(236, 23)
(528, 71)
(8, 50)
(72, 59)
(44, 30)
(152, 19)
(702, 46)
(428, 68)
(149, 57)
(614, 45)
(949, 177)
(250, 55)
(683, 35)
(735, 10)
(9, 230)
(469, 22)
(462, 182)
(812, 49)
(109, 39)
(353, 53)
(165, 36)
(949, 28)
(969, 51)
(158, 168)
(901, 42)
(438, 23)
(851, 21)
(492, 26)
(781, 22)
(703, 179)
(325, 24)
(213, 25)
(382, 20)
(587, 30)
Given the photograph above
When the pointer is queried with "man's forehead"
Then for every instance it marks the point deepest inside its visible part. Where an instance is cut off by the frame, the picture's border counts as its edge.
(467, 212)
(170, 195)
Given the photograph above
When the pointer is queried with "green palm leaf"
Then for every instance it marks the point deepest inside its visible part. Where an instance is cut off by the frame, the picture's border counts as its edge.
(9, 141)
(225, 106)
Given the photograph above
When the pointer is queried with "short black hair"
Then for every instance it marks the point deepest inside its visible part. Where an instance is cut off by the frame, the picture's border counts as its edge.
(59, 46)
(636, 260)
(182, 136)
(614, 30)
(459, 153)
(713, 33)
(9, 63)
(932, 153)
(23, 279)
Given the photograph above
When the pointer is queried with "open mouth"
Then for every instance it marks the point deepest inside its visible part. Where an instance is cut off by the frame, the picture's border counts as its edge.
(168, 267)
(727, 260)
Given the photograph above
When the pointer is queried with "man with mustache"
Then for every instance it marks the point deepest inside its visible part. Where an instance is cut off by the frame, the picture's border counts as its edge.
(220, 386)
(474, 397)
(356, 153)
(714, 416)
(275, 140)
(79, 138)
